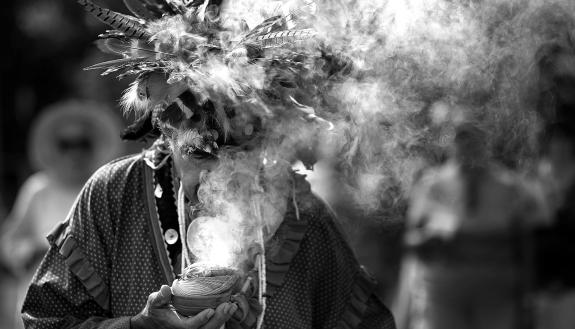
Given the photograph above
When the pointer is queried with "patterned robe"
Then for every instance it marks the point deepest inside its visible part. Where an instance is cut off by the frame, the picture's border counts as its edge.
(109, 255)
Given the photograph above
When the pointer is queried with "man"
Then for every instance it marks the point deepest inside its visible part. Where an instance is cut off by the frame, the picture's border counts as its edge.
(110, 263)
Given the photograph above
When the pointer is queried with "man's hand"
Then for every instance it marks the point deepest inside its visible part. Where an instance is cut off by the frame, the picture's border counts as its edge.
(159, 313)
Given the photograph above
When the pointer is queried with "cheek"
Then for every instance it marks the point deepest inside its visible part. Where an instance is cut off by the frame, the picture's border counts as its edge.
(190, 180)
(187, 172)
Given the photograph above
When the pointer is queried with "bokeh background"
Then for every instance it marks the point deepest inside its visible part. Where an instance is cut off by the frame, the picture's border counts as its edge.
(47, 43)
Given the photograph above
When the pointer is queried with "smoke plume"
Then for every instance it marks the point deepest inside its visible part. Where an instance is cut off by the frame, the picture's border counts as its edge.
(377, 95)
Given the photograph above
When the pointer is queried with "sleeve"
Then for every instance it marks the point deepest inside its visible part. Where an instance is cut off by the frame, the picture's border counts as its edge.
(341, 291)
(69, 289)
(377, 315)
(57, 298)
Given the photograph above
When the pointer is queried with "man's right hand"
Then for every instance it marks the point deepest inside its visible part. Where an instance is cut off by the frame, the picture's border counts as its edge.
(159, 313)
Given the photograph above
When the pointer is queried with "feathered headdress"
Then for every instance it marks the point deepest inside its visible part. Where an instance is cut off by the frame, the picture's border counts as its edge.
(191, 60)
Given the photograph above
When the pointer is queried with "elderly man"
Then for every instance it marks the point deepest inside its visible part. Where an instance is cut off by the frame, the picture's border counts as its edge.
(127, 237)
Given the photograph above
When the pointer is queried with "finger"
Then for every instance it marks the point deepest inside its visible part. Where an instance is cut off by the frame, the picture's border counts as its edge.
(161, 298)
(222, 314)
(199, 319)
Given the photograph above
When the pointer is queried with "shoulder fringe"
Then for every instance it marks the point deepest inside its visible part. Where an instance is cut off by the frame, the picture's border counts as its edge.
(278, 264)
(361, 291)
(80, 266)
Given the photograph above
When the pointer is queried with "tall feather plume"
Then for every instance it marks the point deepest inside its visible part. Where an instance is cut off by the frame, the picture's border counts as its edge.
(131, 26)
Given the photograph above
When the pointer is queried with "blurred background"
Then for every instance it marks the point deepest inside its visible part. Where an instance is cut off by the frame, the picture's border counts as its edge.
(58, 123)
(47, 45)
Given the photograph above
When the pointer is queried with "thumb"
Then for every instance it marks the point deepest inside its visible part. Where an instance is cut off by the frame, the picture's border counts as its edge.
(162, 297)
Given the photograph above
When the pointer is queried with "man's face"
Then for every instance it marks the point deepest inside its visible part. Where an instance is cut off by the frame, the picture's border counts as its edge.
(192, 147)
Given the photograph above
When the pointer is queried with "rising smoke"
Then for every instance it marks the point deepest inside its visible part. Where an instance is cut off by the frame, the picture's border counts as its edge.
(413, 70)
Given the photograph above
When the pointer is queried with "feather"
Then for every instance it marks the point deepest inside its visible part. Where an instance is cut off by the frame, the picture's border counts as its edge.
(115, 46)
(197, 3)
(144, 9)
(277, 39)
(310, 114)
(176, 6)
(137, 68)
(142, 68)
(265, 27)
(125, 47)
(116, 62)
(135, 98)
(278, 23)
(305, 10)
(113, 34)
(131, 26)
(149, 91)
(193, 3)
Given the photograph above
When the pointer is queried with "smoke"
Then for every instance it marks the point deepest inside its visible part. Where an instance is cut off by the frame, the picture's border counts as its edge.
(235, 207)
(422, 67)
(376, 96)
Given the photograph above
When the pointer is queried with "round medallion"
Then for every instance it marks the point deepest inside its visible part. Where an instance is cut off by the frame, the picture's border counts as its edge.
(158, 192)
(171, 236)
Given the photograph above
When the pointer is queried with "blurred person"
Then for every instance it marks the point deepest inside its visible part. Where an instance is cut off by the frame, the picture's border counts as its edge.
(555, 274)
(7, 282)
(68, 142)
(468, 251)
(127, 236)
